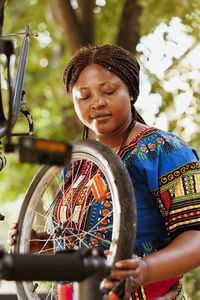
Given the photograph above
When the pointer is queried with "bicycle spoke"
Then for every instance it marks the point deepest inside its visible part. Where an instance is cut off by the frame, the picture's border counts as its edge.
(61, 205)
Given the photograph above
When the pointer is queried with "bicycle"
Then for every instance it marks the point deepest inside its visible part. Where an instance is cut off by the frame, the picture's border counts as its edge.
(50, 184)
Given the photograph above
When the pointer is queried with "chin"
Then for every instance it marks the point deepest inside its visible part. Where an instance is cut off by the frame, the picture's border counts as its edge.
(102, 130)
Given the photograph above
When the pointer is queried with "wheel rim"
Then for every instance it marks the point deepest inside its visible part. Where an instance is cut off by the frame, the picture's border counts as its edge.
(40, 193)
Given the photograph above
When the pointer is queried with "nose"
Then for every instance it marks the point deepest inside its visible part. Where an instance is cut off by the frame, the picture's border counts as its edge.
(98, 102)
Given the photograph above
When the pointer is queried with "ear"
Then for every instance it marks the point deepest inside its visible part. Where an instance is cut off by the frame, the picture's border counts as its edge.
(131, 98)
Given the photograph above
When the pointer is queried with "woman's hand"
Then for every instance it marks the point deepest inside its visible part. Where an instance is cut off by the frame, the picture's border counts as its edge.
(135, 268)
(176, 259)
(11, 236)
(35, 245)
(38, 241)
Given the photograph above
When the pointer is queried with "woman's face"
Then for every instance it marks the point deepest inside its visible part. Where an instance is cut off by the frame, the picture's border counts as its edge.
(101, 100)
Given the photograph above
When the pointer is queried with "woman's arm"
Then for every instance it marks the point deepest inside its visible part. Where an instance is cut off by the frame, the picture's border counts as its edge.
(179, 257)
(39, 241)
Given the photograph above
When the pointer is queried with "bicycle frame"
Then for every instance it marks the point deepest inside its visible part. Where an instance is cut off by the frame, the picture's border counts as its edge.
(7, 48)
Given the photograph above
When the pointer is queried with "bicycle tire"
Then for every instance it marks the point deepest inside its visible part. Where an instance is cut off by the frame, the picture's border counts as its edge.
(124, 207)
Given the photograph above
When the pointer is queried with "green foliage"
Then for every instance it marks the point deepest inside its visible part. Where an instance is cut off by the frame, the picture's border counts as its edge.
(15, 178)
(45, 93)
(156, 12)
(106, 25)
(47, 57)
(192, 283)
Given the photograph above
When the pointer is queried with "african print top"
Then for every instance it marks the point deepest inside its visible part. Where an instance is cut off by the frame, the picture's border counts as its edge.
(165, 173)
(166, 177)
(84, 221)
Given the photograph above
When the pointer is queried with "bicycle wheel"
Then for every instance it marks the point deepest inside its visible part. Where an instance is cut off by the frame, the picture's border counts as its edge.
(51, 205)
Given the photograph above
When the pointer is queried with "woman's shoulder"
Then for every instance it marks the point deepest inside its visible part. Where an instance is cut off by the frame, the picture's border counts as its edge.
(147, 134)
(152, 143)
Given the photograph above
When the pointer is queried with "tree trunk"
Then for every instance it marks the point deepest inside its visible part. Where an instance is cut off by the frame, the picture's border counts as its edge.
(129, 28)
(86, 20)
(78, 23)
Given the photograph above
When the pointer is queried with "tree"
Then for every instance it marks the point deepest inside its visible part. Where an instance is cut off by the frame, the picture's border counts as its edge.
(79, 23)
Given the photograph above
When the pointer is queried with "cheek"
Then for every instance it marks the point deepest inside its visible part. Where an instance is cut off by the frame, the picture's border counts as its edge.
(77, 110)
(80, 111)
(123, 104)
(76, 107)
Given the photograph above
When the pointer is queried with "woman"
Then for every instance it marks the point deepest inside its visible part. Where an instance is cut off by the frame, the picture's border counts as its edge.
(103, 83)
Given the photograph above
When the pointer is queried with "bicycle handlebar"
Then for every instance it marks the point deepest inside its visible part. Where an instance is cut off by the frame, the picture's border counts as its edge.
(72, 266)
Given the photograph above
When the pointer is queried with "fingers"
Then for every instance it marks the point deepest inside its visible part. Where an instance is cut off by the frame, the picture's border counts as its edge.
(106, 253)
(128, 268)
(135, 269)
(120, 274)
(11, 236)
(12, 232)
(131, 263)
(109, 284)
(13, 225)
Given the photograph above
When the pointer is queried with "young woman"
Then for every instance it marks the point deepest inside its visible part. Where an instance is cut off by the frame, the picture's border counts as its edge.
(103, 83)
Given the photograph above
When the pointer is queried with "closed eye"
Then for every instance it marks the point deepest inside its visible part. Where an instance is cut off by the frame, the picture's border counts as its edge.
(109, 92)
(83, 98)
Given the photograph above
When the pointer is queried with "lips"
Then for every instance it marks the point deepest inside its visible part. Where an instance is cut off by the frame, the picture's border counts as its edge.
(99, 116)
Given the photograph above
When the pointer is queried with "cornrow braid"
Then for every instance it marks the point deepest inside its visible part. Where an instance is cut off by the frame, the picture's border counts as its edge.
(85, 132)
(112, 57)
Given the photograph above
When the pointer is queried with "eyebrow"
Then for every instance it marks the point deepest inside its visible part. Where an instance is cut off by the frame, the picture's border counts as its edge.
(101, 84)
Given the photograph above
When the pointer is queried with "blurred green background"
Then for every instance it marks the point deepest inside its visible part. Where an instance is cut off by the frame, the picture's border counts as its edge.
(164, 35)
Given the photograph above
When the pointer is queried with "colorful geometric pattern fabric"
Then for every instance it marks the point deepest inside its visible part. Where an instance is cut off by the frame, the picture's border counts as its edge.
(179, 198)
(71, 203)
(165, 173)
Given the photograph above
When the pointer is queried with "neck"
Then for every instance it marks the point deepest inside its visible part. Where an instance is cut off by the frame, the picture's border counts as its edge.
(115, 140)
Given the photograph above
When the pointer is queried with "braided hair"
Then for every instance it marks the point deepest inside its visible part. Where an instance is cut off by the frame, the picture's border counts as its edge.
(114, 58)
